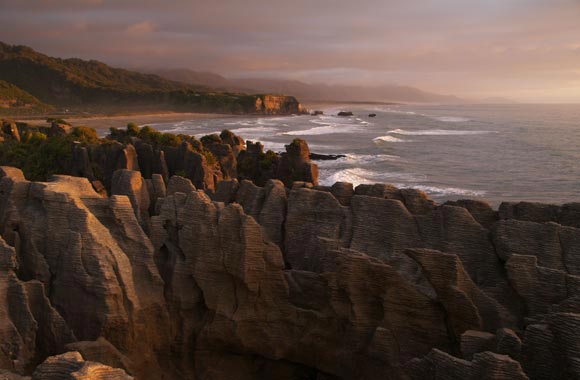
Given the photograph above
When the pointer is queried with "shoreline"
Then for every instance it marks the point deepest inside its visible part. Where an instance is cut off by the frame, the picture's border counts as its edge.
(104, 122)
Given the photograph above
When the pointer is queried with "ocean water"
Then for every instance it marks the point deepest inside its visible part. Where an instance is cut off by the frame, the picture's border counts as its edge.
(490, 152)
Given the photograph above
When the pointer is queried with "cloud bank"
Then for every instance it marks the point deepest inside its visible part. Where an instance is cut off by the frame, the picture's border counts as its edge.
(524, 49)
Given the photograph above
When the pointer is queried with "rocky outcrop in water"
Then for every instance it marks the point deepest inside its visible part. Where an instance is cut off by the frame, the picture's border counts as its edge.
(308, 282)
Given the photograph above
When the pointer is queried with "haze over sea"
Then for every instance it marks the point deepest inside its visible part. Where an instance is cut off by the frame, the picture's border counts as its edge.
(519, 152)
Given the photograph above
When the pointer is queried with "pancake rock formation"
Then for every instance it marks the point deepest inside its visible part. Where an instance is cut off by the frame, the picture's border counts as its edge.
(168, 281)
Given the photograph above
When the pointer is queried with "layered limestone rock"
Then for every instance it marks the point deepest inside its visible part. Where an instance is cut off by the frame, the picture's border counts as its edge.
(255, 307)
(469, 230)
(102, 351)
(295, 164)
(179, 184)
(93, 261)
(156, 189)
(29, 325)
(151, 160)
(130, 183)
(277, 105)
(468, 308)
(486, 366)
(72, 366)
(253, 282)
(78, 151)
(109, 158)
(225, 153)
(235, 142)
(189, 163)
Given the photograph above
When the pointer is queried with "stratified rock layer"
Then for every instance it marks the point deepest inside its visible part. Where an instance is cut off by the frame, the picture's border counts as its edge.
(248, 282)
(71, 366)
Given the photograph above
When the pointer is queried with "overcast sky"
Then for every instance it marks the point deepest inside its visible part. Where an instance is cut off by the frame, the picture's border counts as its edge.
(527, 50)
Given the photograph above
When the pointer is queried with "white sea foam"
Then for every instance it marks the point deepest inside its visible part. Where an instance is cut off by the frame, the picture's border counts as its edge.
(442, 191)
(394, 110)
(328, 125)
(371, 158)
(335, 122)
(436, 132)
(281, 146)
(447, 119)
(384, 139)
(178, 130)
(451, 119)
(326, 130)
(244, 123)
(356, 176)
(354, 160)
(253, 130)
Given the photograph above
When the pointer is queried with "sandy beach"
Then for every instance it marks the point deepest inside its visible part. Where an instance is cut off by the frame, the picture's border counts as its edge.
(120, 121)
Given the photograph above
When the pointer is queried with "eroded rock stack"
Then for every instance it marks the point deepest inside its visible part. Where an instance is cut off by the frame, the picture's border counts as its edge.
(78, 151)
(312, 282)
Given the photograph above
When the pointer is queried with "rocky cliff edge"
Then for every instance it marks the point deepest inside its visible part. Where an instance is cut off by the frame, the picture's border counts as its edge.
(307, 282)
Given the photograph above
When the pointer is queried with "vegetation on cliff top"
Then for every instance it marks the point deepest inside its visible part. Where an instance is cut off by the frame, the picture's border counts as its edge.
(83, 85)
(35, 153)
(40, 153)
(14, 98)
(151, 136)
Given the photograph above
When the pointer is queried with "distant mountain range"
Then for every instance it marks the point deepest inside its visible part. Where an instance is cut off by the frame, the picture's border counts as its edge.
(35, 82)
(317, 92)
(94, 86)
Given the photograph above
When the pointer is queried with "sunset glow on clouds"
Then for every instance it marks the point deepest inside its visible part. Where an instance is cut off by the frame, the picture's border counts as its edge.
(525, 49)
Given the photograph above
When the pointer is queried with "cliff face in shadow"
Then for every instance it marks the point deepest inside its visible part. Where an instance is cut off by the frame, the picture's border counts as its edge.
(302, 282)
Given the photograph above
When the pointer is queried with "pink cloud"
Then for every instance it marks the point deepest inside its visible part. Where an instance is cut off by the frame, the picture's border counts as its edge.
(141, 28)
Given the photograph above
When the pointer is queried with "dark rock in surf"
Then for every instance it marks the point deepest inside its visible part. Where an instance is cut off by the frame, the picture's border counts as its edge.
(325, 157)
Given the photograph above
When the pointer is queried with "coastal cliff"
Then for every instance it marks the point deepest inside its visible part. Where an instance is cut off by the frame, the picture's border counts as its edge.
(31, 82)
(286, 280)
(278, 104)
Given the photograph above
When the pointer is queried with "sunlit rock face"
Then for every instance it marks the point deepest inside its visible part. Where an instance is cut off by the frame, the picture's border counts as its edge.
(278, 105)
(270, 282)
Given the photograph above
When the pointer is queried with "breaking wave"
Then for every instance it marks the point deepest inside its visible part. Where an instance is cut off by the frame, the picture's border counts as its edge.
(436, 132)
(356, 176)
(451, 119)
(442, 191)
(355, 160)
(384, 139)
(253, 130)
(324, 130)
